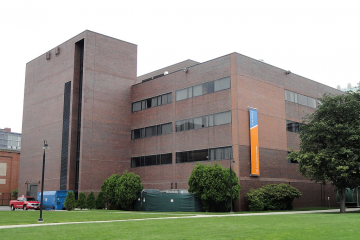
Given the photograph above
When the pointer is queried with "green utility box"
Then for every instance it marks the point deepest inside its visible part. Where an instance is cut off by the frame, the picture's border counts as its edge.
(152, 200)
(351, 197)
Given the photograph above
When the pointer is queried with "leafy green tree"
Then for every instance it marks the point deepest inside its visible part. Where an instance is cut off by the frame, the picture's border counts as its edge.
(14, 194)
(330, 143)
(90, 201)
(70, 201)
(211, 184)
(100, 201)
(128, 186)
(272, 197)
(82, 200)
(108, 188)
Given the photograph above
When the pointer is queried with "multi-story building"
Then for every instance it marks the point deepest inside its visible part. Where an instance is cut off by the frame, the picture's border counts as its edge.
(98, 118)
(10, 145)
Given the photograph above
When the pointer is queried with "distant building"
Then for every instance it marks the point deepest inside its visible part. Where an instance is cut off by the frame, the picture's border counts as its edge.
(10, 145)
(99, 118)
(349, 87)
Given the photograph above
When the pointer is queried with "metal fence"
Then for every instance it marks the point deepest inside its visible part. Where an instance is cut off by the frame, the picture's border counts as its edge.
(5, 199)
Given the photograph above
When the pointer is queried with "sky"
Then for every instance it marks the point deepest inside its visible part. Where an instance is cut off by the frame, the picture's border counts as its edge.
(319, 40)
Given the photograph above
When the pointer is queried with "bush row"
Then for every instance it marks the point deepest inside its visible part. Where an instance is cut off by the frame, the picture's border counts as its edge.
(89, 202)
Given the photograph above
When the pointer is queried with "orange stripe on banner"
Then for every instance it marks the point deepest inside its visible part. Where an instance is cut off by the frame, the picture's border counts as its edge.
(254, 138)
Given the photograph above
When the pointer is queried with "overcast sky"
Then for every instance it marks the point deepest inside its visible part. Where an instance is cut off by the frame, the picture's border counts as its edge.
(319, 40)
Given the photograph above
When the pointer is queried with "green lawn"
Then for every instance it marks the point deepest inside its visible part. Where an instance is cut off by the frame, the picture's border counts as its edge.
(297, 226)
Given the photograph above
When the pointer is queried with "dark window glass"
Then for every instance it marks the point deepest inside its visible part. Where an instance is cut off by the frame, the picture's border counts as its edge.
(142, 132)
(212, 153)
(205, 121)
(181, 94)
(200, 155)
(222, 84)
(181, 157)
(198, 123)
(143, 104)
(158, 160)
(136, 106)
(169, 97)
(292, 126)
(159, 100)
(159, 129)
(136, 133)
(150, 160)
(205, 88)
(148, 103)
(292, 160)
(150, 131)
(178, 126)
(197, 90)
(164, 99)
(166, 158)
(210, 87)
(135, 162)
(166, 128)
(302, 99)
(223, 118)
(154, 101)
(190, 124)
(189, 92)
(211, 120)
(184, 125)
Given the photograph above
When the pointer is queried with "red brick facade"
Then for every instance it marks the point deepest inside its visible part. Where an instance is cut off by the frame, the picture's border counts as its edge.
(109, 88)
(9, 170)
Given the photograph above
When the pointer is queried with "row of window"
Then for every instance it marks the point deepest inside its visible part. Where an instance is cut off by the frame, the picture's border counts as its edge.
(202, 89)
(161, 129)
(204, 121)
(300, 99)
(293, 126)
(159, 159)
(204, 155)
(152, 102)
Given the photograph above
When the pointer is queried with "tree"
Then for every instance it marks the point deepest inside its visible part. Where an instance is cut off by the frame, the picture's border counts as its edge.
(14, 194)
(128, 187)
(211, 184)
(330, 143)
(82, 201)
(100, 201)
(70, 201)
(90, 200)
(108, 188)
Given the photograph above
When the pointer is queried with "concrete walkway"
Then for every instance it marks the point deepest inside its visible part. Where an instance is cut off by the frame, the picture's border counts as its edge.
(181, 217)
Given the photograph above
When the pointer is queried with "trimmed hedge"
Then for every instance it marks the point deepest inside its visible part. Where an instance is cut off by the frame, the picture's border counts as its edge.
(272, 197)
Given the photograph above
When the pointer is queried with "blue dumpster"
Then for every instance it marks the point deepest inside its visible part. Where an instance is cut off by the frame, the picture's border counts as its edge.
(53, 199)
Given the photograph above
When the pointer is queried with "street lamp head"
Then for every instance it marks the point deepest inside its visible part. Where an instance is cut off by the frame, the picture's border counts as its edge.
(46, 146)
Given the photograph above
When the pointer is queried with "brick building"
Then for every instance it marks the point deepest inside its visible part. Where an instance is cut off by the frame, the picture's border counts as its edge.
(84, 98)
(10, 145)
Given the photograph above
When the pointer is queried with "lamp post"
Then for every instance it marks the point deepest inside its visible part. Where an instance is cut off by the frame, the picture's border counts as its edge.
(46, 146)
(231, 192)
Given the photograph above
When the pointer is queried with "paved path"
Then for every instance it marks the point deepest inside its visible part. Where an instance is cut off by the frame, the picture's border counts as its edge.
(193, 216)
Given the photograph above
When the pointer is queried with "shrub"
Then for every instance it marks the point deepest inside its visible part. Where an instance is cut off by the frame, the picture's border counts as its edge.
(82, 200)
(108, 188)
(211, 184)
(127, 188)
(70, 202)
(272, 197)
(90, 200)
(100, 201)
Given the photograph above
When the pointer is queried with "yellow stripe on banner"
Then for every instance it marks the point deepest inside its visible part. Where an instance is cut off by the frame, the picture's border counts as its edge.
(254, 141)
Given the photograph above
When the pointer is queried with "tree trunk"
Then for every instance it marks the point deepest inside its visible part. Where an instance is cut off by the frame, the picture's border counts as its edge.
(342, 200)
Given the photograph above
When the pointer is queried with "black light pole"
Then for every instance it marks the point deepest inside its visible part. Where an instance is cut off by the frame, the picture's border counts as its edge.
(231, 192)
(46, 146)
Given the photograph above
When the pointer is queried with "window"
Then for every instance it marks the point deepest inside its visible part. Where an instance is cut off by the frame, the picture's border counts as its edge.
(204, 88)
(292, 160)
(222, 84)
(204, 155)
(292, 126)
(152, 102)
(300, 99)
(161, 129)
(222, 118)
(159, 159)
(204, 121)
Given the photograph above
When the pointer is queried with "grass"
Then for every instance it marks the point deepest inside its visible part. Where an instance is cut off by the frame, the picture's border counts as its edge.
(297, 226)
